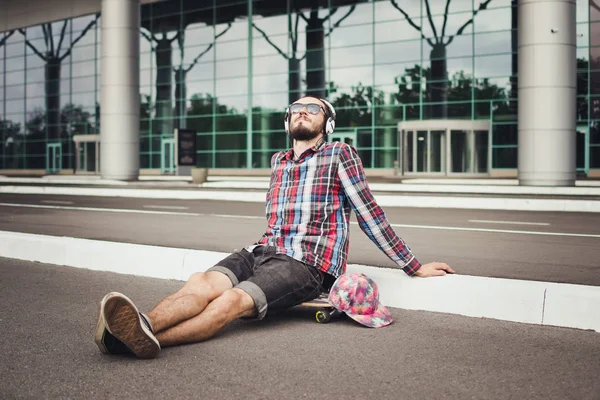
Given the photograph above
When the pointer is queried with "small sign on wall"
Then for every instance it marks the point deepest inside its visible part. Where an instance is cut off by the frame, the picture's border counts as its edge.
(186, 147)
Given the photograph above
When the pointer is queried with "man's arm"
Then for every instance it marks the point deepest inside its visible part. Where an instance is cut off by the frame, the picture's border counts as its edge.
(373, 221)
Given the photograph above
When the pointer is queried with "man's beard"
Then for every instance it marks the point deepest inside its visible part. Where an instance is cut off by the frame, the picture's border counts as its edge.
(302, 133)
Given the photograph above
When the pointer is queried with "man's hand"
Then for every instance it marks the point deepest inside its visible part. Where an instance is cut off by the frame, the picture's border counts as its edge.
(434, 269)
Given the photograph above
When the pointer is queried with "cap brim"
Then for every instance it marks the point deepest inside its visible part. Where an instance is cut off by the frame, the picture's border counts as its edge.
(381, 317)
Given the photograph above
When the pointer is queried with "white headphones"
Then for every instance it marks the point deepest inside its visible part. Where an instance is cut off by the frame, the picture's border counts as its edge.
(329, 125)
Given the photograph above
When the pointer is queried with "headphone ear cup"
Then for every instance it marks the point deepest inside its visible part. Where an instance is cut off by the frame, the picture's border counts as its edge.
(286, 121)
(330, 126)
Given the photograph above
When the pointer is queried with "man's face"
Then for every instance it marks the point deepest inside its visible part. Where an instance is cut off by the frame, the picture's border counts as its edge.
(305, 125)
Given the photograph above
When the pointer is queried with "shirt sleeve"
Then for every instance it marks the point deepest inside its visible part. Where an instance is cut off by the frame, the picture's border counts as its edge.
(370, 215)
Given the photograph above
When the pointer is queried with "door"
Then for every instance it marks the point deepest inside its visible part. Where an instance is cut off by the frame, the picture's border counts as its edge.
(582, 149)
(167, 156)
(425, 151)
(53, 158)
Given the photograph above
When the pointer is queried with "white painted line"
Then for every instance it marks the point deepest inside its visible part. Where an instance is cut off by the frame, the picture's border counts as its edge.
(168, 207)
(533, 302)
(434, 227)
(460, 228)
(487, 221)
(110, 210)
(56, 202)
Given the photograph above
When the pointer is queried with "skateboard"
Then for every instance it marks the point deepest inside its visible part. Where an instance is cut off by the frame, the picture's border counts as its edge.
(325, 311)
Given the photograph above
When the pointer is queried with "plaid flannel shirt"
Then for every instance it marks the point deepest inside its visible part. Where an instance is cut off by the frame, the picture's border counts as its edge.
(308, 209)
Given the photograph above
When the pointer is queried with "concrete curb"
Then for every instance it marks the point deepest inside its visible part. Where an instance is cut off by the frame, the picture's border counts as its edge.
(544, 303)
(484, 203)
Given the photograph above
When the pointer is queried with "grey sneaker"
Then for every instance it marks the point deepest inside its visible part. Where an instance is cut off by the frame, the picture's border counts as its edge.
(123, 321)
(105, 341)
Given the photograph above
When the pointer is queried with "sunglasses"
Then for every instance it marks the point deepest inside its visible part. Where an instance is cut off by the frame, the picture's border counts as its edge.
(311, 108)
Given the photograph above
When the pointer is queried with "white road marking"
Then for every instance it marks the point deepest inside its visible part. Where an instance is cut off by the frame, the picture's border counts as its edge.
(487, 221)
(56, 202)
(434, 227)
(169, 207)
(113, 210)
(458, 228)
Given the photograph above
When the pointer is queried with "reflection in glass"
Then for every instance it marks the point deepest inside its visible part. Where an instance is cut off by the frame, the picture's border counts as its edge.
(438, 151)
(459, 151)
(422, 151)
(481, 151)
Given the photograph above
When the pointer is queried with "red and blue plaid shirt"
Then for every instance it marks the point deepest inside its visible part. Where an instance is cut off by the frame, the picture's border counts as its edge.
(308, 209)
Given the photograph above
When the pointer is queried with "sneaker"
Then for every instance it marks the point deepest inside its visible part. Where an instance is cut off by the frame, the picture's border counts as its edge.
(128, 325)
(106, 342)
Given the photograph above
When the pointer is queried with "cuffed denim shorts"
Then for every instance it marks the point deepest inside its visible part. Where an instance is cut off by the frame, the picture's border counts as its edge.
(275, 282)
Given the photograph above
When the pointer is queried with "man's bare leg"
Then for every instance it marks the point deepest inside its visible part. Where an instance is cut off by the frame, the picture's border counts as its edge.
(190, 300)
(229, 306)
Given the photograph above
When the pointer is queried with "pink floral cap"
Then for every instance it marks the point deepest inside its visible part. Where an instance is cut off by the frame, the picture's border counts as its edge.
(357, 295)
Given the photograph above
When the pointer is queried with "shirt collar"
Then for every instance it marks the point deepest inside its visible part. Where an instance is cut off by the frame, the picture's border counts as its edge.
(289, 155)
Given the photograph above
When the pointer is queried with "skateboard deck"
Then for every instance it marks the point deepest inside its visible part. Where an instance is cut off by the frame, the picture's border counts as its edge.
(325, 311)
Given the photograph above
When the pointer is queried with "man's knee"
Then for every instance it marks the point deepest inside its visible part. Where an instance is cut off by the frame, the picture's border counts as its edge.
(211, 283)
(236, 302)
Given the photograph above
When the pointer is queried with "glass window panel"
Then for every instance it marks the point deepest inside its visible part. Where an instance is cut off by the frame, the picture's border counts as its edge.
(493, 43)
(385, 11)
(595, 133)
(199, 123)
(81, 69)
(454, 22)
(345, 78)
(230, 159)
(505, 134)
(505, 157)
(83, 99)
(15, 47)
(228, 87)
(493, 19)
(583, 37)
(357, 55)
(15, 91)
(233, 68)
(230, 123)
(267, 65)
(398, 28)
(582, 10)
(344, 35)
(595, 156)
(408, 52)
(493, 66)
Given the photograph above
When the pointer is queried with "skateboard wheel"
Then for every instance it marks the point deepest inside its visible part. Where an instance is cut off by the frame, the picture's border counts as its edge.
(322, 316)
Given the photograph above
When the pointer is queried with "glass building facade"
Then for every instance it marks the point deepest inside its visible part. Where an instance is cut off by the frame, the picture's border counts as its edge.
(227, 69)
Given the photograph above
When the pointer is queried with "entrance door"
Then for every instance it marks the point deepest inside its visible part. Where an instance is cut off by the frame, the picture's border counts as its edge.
(425, 151)
(167, 156)
(581, 146)
(445, 147)
(53, 158)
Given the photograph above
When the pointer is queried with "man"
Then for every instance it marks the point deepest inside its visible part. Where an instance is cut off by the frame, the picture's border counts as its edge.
(312, 190)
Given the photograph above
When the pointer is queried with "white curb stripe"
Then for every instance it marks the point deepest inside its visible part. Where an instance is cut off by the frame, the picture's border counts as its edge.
(545, 303)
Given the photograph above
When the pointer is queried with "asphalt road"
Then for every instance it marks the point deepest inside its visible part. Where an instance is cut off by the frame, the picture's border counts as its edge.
(48, 315)
(543, 246)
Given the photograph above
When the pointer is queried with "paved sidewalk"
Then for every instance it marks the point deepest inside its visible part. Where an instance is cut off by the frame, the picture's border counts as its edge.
(48, 316)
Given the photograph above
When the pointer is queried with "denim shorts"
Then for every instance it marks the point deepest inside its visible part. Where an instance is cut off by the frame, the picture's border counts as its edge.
(275, 282)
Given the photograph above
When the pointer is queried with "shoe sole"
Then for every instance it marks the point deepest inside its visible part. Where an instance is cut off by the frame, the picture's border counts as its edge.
(100, 327)
(123, 321)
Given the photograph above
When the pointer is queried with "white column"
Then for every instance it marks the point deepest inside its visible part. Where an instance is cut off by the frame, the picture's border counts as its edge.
(120, 108)
(547, 92)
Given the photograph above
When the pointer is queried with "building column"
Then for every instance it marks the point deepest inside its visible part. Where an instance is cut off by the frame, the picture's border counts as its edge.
(547, 92)
(120, 103)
